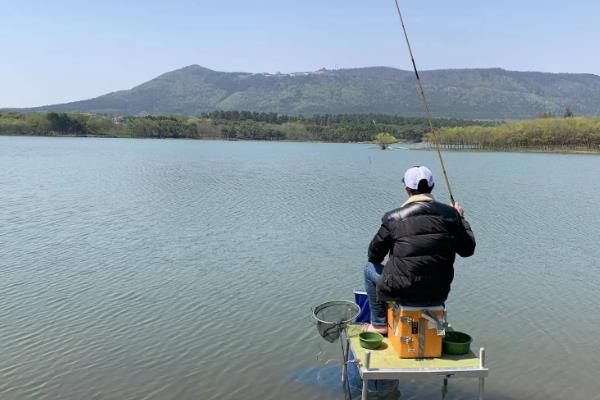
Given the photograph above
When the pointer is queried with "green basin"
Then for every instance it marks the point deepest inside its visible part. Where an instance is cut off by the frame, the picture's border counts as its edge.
(456, 343)
(370, 340)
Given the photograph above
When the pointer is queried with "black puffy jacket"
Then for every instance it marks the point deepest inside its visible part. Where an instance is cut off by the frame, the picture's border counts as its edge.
(422, 239)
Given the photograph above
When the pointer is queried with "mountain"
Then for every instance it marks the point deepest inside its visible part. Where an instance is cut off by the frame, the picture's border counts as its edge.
(453, 93)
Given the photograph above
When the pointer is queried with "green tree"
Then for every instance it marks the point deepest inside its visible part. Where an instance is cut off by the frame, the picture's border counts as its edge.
(64, 123)
(384, 139)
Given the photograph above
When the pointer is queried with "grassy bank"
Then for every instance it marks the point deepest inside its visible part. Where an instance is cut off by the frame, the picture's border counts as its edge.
(569, 135)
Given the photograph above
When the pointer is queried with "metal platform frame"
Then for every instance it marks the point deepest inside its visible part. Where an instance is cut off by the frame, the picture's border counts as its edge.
(368, 373)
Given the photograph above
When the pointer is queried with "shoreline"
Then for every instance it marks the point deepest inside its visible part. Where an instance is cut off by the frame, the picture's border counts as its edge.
(424, 148)
(208, 139)
(516, 150)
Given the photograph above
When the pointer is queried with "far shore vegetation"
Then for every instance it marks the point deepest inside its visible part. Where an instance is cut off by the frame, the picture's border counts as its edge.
(545, 133)
(227, 125)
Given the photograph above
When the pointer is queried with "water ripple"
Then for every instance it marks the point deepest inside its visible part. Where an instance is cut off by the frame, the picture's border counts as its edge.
(186, 270)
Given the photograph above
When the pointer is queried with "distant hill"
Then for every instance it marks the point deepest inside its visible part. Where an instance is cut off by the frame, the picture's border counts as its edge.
(454, 93)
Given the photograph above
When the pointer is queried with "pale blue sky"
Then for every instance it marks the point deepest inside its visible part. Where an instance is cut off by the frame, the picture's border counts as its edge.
(57, 51)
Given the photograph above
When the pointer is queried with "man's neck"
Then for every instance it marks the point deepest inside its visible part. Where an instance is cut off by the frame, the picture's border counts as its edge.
(418, 197)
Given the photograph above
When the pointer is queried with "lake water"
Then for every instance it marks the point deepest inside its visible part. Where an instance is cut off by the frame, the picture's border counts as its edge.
(164, 269)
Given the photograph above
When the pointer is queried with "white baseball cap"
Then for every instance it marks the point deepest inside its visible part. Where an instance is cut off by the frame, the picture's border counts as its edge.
(414, 175)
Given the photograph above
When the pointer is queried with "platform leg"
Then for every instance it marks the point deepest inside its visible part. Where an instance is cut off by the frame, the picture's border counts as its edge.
(346, 352)
(345, 380)
(445, 388)
(481, 365)
(365, 389)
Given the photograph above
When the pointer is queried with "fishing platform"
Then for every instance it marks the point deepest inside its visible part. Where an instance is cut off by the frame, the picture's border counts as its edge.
(384, 364)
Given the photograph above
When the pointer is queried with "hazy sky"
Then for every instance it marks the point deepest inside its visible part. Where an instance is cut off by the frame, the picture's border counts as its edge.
(58, 51)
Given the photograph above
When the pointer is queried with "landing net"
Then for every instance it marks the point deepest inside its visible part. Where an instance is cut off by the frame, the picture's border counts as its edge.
(333, 316)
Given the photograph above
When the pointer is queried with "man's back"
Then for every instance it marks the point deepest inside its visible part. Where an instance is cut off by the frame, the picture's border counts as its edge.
(422, 239)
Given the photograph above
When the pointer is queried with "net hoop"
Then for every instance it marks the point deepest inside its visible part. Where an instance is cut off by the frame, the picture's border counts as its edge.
(351, 306)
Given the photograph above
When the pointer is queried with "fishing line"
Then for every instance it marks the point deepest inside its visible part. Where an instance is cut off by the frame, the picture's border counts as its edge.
(425, 105)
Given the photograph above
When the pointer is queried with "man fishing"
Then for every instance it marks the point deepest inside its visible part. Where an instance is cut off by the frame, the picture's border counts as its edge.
(422, 238)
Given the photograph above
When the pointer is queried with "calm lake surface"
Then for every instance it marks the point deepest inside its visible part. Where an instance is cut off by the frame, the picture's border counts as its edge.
(164, 269)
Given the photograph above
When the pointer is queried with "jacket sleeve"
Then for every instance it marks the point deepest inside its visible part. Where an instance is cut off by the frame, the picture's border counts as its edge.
(465, 240)
(381, 244)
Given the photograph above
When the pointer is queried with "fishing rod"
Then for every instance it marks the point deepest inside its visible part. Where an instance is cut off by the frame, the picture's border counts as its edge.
(425, 105)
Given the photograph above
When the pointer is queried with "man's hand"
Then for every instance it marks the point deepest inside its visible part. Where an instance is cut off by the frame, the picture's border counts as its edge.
(458, 208)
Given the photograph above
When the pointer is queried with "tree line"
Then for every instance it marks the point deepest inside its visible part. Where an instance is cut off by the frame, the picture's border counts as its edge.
(230, 125)
(547, 133)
